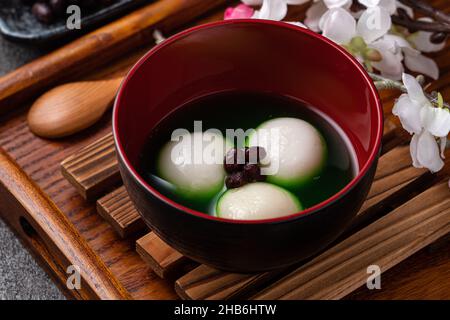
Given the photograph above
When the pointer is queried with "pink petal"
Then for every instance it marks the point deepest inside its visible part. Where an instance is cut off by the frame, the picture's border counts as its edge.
(241, 11)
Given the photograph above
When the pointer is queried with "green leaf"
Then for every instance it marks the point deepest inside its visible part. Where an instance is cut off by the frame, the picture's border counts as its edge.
(440, 100)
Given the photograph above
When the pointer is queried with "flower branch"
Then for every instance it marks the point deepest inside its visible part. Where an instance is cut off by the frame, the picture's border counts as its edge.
(368, 30)
(403, 19)
(383, 83)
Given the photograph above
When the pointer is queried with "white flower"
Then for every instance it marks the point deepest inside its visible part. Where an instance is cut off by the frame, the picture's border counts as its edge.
(259, 2)
(409, 10)
(391, 65)
(336, 22)
(426, 122)
(338, 25)
(417, 62)
(331, 4)
(314, 14)
(252, 2)
(425, 152)
(334, 19)
(421, 39)
(409, 113)
(395, 50)
(435, 120)
(374, 23)
(408, 107)
(272, 9)
(298, 24)
(158, 36)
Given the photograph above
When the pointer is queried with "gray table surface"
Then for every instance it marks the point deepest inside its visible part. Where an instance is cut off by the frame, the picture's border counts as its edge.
(20, 276)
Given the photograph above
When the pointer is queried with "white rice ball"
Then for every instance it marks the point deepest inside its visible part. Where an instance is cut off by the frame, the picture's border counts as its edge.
(296, 151)
(194, 164)
(257, 201)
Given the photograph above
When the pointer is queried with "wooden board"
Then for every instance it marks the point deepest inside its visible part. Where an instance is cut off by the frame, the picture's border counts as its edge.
(119, 267)
(40, 159)
(117, 208)
(394, 180)
(93, 170)
(161, 258)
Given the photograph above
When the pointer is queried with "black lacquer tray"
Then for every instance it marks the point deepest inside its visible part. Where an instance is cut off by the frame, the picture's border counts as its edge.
(18, 23)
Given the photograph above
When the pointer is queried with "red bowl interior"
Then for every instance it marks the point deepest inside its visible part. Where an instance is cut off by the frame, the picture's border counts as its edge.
(255, 55)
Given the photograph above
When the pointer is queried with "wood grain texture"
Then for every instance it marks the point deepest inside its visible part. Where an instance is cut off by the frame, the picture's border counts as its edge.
(161, 258)
(108, 42)
(424, 276)
(46, 227)
(206, 283)
(117, 208)
(72, 107)
(394, 172)
(94, 169)
(41, 159)
(343, 268)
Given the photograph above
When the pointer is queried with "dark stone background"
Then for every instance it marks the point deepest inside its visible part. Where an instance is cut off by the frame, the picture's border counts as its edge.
(20, 275)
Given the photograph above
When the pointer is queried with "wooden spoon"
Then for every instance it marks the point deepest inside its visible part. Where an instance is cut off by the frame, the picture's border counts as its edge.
(70, 108)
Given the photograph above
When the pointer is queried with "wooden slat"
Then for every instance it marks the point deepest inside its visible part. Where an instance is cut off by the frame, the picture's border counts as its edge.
(161, 258)
(47, 230)
(394, 172)
(393, 238)
(99, 47)
(117, 208)
(93, 170)
(40, 159)
(208, 283)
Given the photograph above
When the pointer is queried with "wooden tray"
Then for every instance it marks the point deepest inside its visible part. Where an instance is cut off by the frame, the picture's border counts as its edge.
(18, 23)
(406, 211)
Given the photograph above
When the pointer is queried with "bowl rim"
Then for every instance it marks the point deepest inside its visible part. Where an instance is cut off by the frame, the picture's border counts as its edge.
(373, 156)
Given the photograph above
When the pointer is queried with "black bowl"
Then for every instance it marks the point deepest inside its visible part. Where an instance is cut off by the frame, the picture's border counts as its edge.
(248, 55)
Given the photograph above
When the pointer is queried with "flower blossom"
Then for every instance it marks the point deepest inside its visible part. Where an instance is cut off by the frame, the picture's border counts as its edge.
(241, 11)
(371, 37)
(272, 9)
(425, 122)
(335, 20)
